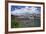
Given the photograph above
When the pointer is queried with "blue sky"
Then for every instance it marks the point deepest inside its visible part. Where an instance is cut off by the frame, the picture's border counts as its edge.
(18, 7)
(34, 10)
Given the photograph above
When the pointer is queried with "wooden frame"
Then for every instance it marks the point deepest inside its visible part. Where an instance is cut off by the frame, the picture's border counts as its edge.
(6, 16)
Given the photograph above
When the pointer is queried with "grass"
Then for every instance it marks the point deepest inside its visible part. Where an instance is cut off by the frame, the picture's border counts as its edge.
(15, 24)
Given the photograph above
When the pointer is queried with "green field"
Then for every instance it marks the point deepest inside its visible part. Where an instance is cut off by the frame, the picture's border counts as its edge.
(15, 24)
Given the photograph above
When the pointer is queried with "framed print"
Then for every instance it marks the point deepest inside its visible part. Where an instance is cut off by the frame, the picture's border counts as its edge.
(24, 16)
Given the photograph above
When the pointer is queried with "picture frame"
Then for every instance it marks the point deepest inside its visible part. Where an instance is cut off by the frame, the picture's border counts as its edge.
(8, 26)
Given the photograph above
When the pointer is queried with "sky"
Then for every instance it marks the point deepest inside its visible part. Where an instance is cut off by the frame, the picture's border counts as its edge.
(25, 9)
